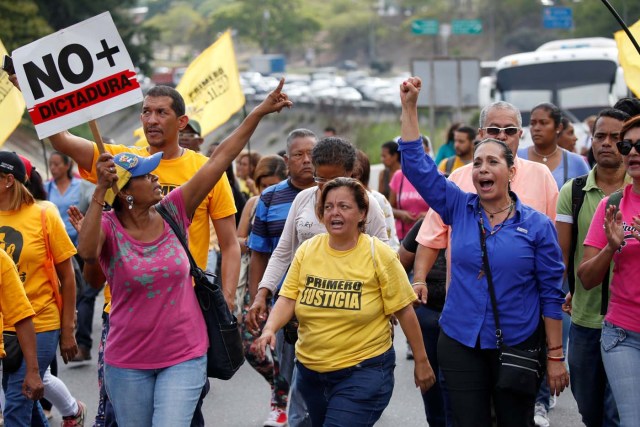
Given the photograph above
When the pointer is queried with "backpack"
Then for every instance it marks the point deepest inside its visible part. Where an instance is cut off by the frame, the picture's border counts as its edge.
(577, 199)
(448, 168)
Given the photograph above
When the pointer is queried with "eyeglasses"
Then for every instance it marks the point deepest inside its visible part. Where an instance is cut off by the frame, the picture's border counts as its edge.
(495, 131)
(625, 146)
(319, 180)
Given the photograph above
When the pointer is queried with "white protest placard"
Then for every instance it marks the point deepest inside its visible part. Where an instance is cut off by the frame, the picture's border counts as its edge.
(75, 75)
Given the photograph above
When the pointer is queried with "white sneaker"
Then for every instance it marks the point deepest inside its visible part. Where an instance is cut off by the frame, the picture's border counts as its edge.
(277, 418)
(540, 417)
(552, 402)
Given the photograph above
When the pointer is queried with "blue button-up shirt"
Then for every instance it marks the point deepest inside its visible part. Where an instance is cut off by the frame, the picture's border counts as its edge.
(524, 257)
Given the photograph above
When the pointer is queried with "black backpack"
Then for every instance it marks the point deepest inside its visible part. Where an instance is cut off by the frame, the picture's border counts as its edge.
(577, 198)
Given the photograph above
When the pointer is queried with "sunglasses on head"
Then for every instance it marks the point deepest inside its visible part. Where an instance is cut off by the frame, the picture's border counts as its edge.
(495, 131)
(625, 146)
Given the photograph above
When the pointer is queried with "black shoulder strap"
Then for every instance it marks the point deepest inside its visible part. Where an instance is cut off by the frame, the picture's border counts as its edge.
(449, 165)
(577, 199)
(183, 241)
(565, 165)
(614, 200)
(492, 292)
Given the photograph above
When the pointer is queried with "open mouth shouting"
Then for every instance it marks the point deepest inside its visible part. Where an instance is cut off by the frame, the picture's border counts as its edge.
(486, 185)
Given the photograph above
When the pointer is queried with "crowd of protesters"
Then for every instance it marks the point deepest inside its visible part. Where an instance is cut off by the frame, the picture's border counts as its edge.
(318, 267)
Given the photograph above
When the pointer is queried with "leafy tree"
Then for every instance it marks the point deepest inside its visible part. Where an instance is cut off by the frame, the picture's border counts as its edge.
(21, 23)
(180, 25)
(592, 18)
(136, 38)
(278, 25)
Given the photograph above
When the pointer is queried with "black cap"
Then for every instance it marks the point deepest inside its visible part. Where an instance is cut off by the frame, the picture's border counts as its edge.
(10, 163)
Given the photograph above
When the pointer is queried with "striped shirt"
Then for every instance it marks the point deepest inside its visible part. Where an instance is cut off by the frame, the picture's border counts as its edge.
(271, 215)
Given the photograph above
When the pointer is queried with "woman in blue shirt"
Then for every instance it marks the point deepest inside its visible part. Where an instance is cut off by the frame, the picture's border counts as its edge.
(526, 264)
(545, 127)
(64, 190)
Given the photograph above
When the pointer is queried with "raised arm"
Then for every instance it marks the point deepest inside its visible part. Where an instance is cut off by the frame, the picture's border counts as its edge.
(79, 149)
(417, 166)
(91, 238)
(197, 188)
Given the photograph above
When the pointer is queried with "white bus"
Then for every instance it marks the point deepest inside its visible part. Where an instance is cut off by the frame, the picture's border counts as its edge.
(581, 76)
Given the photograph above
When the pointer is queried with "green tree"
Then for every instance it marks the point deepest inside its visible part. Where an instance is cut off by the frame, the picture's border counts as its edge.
(21, 23)
(592, 18)
(180, 25)
(277, 25)
(136, 38)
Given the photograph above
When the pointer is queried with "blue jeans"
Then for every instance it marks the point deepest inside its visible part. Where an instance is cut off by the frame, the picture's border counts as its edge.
(589, 383)
(353, 397)
(86, 308)
(621, 356)
(436, 403)
(18, 410)
(156, 397)
(297, 412)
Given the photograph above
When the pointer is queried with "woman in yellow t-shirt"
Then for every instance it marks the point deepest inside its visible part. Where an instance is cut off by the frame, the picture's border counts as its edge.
(23, 239)
(15, 309)
(343, 287)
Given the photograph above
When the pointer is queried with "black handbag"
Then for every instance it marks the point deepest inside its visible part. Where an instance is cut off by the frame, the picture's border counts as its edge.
(226, 353)
(13, 353)
(520, 371)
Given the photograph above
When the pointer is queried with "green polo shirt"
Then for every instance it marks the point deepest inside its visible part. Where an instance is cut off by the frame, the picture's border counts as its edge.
(586, 305)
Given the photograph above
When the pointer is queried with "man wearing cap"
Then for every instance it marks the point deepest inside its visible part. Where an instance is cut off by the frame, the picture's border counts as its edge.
(163, 118)
(190, 136)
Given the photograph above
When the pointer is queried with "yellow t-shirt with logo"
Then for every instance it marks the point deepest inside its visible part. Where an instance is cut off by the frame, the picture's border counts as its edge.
(343, 303)
(14, 305)
(22, 238)
(172, 173)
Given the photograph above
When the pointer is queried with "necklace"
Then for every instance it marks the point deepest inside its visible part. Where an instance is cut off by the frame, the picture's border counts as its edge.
(499, 227)
(544, 158)
(491, 214)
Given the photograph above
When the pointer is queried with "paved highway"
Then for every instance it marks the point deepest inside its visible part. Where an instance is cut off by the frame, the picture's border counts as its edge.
(244, 400)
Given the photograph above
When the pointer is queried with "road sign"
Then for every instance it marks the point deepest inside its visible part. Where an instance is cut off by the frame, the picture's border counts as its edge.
(466, 26)
(78, 74)
(557, 18)
(425, 27)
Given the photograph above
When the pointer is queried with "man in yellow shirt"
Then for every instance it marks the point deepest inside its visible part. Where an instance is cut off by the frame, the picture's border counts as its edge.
(463, 138)
(176, 167)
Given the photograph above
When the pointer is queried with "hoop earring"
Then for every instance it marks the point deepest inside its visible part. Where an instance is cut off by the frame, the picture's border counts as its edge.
(129, 200)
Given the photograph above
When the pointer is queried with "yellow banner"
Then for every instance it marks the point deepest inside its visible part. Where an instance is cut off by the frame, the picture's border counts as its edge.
(12, 103)
(629, 57)
(211, 87)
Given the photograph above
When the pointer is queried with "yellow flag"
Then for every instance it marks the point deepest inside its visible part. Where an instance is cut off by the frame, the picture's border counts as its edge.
(629, 57)
(210, 87)
(12, 103)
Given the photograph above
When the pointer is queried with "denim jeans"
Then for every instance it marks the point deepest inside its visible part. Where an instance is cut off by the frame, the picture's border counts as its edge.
(156, 397)
(589, 383)
(353, 397)
(20, 411)
(297, 412)
(621, 356)
(436, 405)
(86, 308)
